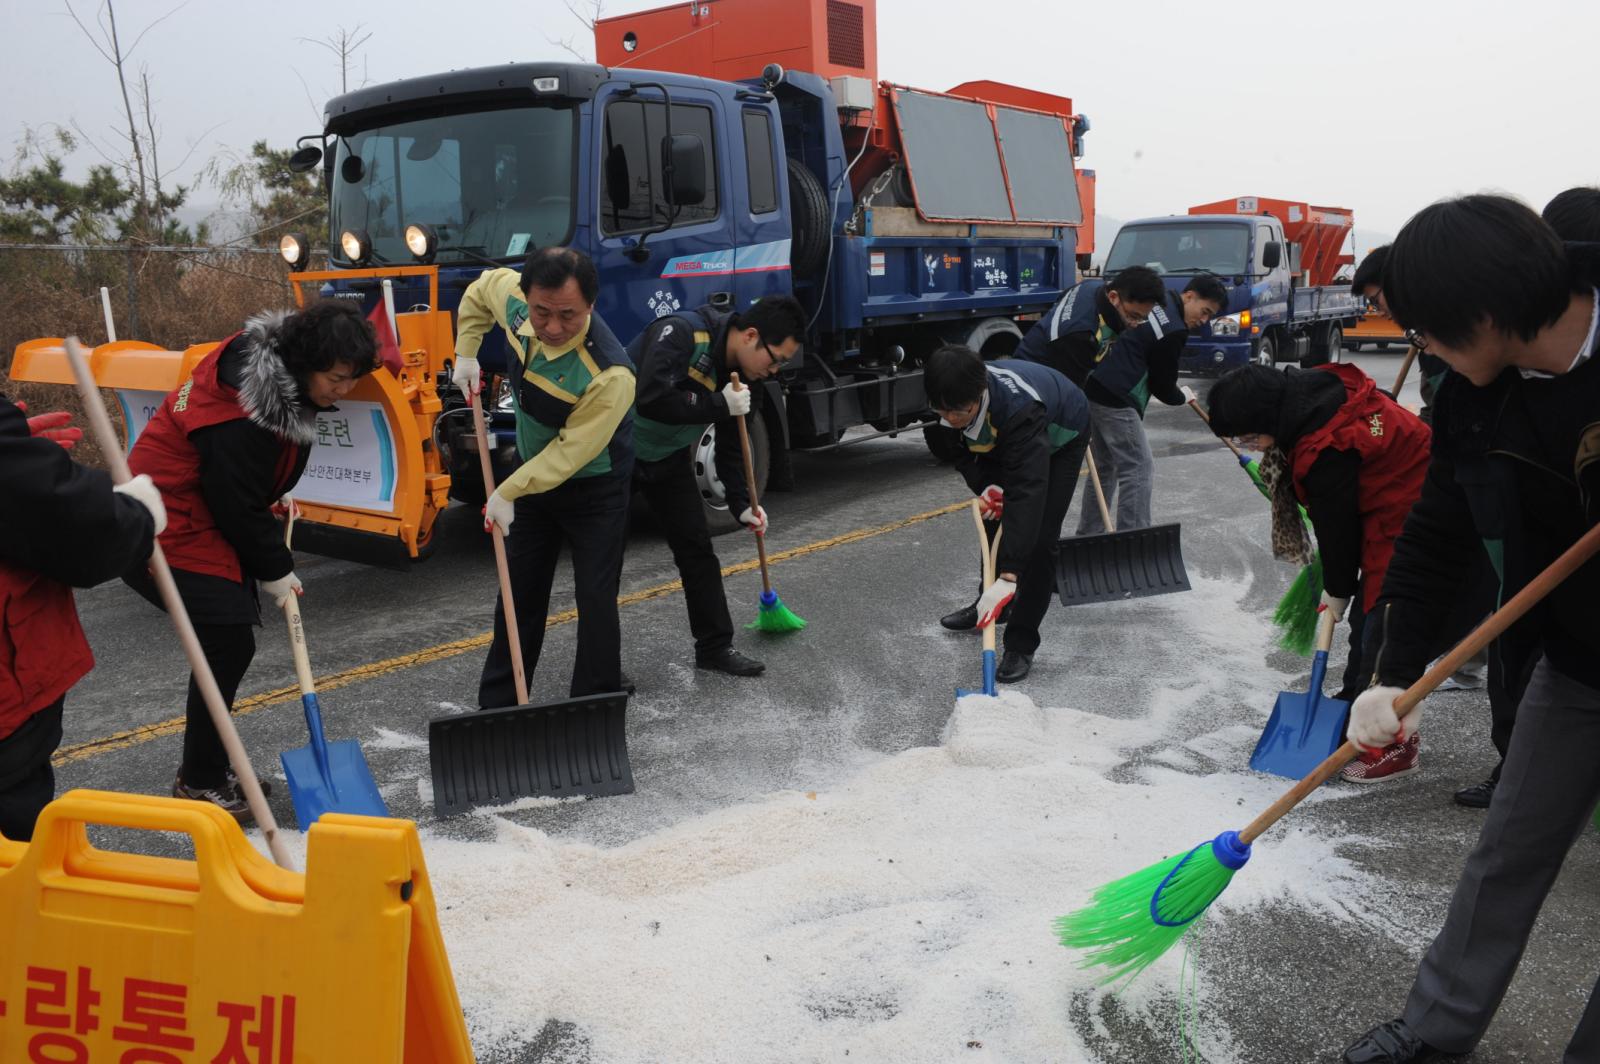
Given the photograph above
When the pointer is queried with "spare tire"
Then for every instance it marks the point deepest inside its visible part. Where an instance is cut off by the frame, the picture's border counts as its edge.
(808, 217)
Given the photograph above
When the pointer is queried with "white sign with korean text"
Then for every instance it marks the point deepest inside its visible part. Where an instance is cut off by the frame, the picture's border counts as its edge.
(137, 409)
(353, 460)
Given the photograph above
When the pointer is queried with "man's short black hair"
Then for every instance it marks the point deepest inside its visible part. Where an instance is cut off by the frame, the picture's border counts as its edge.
(1137, 284)
(775, 318)
(328, 333)
(1247, 400)
(1370, 272)
(1462, 262)
(550, 267)
(954, 377)
(1575, 214)
(1209, 288)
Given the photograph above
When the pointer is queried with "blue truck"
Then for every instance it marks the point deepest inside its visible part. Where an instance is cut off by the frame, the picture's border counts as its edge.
(901, 219)
(1278, 259)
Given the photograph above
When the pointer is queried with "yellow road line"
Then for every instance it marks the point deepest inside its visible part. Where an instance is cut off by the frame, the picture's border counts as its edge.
(145, 733)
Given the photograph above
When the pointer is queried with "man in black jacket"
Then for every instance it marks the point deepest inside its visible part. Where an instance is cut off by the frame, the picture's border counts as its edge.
(1515, 473)
(685, 363)
(1139, 363)
(1088, 316)
(65, 527)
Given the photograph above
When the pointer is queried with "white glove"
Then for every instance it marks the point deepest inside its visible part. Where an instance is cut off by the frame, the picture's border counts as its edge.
(1337, 605)
(1373, 723)
(499, 510)
(992, 502)
(994, 600)
(755, 521)
(1188, 394)
(738, 399)
(281, 588)
(143, 491)
(467, 375)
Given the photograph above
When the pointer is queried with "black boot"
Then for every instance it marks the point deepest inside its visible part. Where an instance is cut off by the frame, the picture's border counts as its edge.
(730, 661)
(1014, 666)
(1390, 1043)
(1478, 795)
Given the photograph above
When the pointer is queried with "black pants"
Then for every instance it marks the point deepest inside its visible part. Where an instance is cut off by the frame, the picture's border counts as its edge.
(589, 515)
(225, 615)
(669, 487)
(27, 782)
(1037, 581)
(1355, 675)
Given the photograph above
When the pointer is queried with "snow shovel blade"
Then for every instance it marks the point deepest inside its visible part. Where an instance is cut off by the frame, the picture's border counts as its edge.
(1303, 729)
(1114, 566)
(577, 747)
(348, 786)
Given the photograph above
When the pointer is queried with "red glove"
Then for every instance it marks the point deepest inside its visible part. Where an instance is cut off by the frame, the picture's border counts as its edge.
(992, 502)
(54, 427)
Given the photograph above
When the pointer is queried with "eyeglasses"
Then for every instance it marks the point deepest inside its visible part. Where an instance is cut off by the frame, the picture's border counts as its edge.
(777, 363)
(1415, 339)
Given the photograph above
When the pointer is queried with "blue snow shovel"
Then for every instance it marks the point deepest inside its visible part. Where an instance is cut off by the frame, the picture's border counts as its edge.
(990, 552)
(322, 776)
(1303, 729)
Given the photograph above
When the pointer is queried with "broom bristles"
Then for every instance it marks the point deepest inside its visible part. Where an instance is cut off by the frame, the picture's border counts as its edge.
(1131, 922)
(774, 616)
(1296, 615)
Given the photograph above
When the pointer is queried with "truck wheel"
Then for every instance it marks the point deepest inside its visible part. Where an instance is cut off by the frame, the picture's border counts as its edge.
(810, 225)
(1266, 352)
(993, 338)
(943, 443)
(713, 499)
(1326, 342)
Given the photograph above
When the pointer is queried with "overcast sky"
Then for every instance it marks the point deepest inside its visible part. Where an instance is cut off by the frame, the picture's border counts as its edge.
(1381, 107)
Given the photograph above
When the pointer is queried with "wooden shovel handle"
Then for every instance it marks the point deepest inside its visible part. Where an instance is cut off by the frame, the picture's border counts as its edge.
(1405, 368)
(1194, 404)
(1503, 618)
(1099, 492)
(291, 613)
(507, 604)
(750, 485)
(106, 437)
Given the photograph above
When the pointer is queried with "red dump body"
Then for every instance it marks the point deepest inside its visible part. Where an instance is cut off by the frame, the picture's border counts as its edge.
(1320, 231)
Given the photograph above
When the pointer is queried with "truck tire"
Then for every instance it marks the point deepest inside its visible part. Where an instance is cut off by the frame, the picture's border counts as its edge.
(1266, 353)
(992, 338)
(1325, 347)
(712, 498)
(808, 216)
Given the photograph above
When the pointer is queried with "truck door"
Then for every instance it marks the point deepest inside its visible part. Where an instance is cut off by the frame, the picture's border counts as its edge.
(693, 258)
(1270, 289)
(761, 254)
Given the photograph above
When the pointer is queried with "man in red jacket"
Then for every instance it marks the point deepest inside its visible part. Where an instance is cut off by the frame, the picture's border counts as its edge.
(1332, 442)
(223, 448)
(65, 527)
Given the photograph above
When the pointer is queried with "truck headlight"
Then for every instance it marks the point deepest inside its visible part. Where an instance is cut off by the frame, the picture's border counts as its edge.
(294, 249)
(422, 241)
(356, 245)
(1227, 325)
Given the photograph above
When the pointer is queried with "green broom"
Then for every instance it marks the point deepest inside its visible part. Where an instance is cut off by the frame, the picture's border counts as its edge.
(1296, 612)
(774, 616)
(1131, 922)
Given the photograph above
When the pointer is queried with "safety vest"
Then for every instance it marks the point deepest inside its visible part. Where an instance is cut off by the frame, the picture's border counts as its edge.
(654, 440)
(1014, 383)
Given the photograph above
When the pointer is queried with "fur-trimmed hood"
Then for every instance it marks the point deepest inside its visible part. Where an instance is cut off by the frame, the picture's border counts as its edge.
(268, 392)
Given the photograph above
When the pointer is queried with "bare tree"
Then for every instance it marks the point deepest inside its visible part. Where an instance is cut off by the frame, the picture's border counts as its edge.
(343, 45)
(588, 14)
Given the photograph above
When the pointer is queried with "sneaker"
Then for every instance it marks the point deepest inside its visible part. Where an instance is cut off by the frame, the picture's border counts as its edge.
(233, 781)
(1390, 1043)
(225, 798)
(1477, 796)
(1014, 666)
(1397, 760)
(730, 661)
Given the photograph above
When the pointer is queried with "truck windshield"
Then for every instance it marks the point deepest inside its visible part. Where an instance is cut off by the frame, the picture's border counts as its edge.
(495, 183)
(1205, 248)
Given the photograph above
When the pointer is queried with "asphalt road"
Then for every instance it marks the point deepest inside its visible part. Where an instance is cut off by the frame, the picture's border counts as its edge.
(394, 649)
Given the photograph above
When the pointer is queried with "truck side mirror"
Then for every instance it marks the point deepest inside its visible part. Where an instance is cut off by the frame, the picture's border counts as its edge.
(683, 169)
(1271, 254)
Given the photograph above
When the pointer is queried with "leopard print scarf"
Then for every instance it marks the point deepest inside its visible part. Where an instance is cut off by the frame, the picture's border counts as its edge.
(1290, 541)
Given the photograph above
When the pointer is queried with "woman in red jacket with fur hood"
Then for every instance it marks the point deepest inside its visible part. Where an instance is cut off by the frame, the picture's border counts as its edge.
(223, 448)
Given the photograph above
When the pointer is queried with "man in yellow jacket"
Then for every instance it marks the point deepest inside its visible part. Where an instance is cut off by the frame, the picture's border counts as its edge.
(574, 388)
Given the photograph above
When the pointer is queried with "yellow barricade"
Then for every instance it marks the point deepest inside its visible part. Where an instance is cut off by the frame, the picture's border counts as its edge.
(108, 956)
